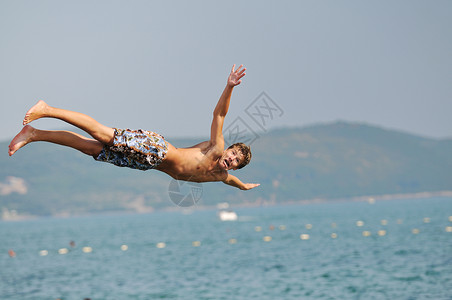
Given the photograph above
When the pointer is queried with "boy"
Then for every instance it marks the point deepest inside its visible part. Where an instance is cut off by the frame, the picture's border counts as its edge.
(140, 149)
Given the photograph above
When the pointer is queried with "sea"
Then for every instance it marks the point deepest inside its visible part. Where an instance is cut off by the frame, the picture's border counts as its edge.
(392, 249)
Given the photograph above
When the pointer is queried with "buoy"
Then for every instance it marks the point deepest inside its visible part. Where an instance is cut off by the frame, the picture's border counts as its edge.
(87, 249)
(232, 241)
(304, 236)
(161, 245)
(63, 251)
(267, 238)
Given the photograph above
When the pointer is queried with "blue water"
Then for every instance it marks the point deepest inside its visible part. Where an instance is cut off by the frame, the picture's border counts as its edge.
(396, 265)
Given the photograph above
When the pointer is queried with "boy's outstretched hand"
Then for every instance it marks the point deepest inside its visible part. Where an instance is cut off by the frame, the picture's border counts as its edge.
(236, 75)
(249, 186)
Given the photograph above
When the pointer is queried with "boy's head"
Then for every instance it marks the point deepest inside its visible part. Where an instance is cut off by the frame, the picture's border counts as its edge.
(236, 156)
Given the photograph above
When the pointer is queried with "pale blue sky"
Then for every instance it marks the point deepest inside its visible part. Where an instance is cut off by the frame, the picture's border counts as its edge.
(161, 65)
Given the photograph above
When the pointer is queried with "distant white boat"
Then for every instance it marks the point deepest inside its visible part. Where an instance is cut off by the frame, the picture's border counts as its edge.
(227, 215)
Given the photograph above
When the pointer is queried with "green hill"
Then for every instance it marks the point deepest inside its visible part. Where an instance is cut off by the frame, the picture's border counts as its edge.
(331, 161)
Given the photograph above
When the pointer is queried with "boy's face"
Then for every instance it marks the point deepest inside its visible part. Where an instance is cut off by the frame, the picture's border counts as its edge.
(231, 159)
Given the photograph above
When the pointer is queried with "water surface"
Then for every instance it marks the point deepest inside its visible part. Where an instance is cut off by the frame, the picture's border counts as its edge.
(172, 255)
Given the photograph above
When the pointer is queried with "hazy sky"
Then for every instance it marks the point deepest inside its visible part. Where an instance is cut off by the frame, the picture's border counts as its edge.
(161, 65)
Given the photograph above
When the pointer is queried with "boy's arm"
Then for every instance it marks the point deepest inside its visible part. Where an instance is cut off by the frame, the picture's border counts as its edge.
(234, 181)
(216, 129)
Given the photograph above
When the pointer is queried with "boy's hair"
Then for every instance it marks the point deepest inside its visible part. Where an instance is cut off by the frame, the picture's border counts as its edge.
(246, 152)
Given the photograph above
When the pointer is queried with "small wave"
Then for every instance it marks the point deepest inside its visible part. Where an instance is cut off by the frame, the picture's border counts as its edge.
(408, 278)
(406, 252)
(277, 267)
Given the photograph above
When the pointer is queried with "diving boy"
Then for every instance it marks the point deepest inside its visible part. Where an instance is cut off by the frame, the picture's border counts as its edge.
(141, 149)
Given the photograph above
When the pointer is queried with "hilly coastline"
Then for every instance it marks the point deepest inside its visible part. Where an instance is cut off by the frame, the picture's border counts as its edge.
(328, 161)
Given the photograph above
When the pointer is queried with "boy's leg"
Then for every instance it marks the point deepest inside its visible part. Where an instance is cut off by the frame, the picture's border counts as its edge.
(29, 134)
(98, 131)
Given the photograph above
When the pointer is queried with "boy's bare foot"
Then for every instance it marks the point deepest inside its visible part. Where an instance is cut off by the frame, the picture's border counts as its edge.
(37, 111)
(21, 139)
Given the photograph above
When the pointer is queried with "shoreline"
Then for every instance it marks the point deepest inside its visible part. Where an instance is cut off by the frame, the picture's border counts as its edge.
(368, 198)
(371, 199)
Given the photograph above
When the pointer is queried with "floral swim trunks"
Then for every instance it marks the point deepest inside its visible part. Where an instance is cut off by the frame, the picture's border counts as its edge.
(135, 149)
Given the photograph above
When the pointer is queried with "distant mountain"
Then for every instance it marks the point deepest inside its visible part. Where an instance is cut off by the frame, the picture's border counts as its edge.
(329, 161)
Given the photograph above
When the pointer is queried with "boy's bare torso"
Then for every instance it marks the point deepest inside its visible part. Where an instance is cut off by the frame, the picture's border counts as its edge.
(198, 163)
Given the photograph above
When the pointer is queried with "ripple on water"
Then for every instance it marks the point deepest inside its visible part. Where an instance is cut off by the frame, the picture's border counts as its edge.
(408, 278)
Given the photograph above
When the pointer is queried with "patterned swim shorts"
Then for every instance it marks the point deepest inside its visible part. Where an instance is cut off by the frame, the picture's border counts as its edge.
(135, 149)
